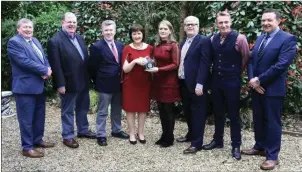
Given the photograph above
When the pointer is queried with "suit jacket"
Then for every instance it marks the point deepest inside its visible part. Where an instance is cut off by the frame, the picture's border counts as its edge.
(104, 70)
(68, 67)
(197, 62)
(271, 67)
(27, 67)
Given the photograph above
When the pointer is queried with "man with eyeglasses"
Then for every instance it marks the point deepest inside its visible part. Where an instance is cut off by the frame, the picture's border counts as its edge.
(68, 56)
(193, 76)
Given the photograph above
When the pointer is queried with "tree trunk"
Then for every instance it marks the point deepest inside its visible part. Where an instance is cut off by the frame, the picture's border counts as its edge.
(183, 14)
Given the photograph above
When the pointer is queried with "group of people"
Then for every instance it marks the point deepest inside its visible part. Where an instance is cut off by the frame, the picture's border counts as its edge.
(123, 81)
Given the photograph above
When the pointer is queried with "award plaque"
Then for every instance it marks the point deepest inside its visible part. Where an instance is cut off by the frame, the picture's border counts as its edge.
(150, 63)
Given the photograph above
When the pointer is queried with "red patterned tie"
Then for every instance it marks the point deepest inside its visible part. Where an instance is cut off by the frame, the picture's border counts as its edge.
(114, 52)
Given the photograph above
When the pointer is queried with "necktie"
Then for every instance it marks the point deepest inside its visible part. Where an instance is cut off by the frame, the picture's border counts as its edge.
(184, 51)
(114, 52)
(38, 52)
(260, 51)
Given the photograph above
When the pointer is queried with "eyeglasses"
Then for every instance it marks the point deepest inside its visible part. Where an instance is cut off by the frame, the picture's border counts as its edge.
(71, 22)
(191, 24)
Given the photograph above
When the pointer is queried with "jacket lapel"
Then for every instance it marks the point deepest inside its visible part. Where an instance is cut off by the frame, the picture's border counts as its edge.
(82, 45)
(70, 44)
(268, 45)
(193, 44)
(30, 48)
(109, 52)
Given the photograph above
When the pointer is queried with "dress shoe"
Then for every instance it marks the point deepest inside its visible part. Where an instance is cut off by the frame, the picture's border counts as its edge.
(44, 144)
(32, 153)
(165, 145)
(183, 139)
(191, 150)
(121, 135)
(253, 152)
(269, 164)
(212, 145)
(102, 141)
(89, 135)
(158, 142)
(141, 141)
(70, 143)
(236, 153)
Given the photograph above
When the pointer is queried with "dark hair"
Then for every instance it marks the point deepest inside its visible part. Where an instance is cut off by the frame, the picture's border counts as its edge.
(278, 15)
(136, 28)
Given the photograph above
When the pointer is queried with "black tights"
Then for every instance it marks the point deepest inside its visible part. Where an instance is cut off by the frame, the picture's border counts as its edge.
(167, 118)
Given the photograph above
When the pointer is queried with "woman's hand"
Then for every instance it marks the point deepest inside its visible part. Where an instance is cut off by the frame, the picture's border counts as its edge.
(140, 61)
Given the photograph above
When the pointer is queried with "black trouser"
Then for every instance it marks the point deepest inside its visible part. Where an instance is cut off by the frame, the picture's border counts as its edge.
(167, 118)
(186, 102)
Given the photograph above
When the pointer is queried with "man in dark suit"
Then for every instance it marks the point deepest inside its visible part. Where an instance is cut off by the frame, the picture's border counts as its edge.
(105, 71)
(272, 54)
(30, 69)
(230, 55)
(193, 74)
(68, 57)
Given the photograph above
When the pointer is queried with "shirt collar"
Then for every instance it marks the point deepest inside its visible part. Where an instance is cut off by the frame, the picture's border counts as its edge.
(273, 33)
(190, 39)
(69, 36)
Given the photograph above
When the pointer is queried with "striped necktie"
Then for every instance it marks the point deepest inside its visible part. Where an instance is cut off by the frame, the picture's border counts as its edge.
(38, 52)
(260, 51)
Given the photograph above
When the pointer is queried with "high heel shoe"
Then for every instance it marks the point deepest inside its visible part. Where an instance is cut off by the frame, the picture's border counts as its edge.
(133, 142)
(141, 141)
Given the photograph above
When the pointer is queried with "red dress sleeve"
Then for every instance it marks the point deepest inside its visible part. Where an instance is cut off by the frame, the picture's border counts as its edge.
(175, 59)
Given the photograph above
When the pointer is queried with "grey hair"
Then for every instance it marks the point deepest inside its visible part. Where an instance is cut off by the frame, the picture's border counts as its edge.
(68, 14)
(192, 18)
(23, 20)
(108, 23)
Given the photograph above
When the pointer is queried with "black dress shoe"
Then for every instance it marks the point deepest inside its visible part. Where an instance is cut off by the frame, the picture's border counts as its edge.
(191, 150)
(212, 145)
(121, 135)
(165, 144)
(89, 135)
(102, 141)
(158, 142)
(236, 153)
(183, 139)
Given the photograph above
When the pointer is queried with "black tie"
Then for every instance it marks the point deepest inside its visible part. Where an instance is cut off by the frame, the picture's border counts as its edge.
(260, 51)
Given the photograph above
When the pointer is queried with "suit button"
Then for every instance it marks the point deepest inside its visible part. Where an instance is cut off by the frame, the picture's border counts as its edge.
(218, 66)
(119, 74)
(219, 60)
(219, 54)
(219, 73)
(233, 65)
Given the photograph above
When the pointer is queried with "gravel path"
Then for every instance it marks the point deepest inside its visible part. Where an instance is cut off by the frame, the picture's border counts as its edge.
(119, 155)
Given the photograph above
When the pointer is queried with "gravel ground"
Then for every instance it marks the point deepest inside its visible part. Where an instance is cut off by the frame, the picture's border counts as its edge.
(119, 155)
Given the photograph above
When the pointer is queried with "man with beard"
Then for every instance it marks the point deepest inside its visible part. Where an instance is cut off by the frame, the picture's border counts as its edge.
(68, 57)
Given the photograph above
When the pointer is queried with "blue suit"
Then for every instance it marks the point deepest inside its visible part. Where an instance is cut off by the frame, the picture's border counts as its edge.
(105, 72)
(196, 69)
(271, 69)
(27, 86)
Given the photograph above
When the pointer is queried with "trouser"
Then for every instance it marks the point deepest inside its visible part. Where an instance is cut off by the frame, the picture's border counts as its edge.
(31, 117)
(106, 99)
(267, 124)
(227, 91)
(74, 102)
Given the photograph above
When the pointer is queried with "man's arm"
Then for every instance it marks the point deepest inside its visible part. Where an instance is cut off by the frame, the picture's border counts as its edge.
(286, 56)
(244, 50)
(17, 54)
(55, 63)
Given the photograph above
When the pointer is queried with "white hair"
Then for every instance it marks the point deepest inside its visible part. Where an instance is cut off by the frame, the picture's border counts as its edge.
(22, 21)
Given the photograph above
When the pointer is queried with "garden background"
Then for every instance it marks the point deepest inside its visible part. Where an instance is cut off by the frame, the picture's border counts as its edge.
(246, 20)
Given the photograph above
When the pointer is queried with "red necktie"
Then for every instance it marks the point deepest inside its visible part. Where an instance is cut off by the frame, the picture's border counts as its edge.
(114, 52)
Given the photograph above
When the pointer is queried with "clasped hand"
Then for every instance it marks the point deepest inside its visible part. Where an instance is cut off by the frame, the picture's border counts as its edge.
(141, 61)
(255, 84)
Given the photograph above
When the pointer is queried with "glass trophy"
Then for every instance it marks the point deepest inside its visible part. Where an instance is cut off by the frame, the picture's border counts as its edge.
(150, 63)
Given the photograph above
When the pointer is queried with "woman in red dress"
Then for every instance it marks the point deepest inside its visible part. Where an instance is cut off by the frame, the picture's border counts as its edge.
(136, 82)
(165, 89)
